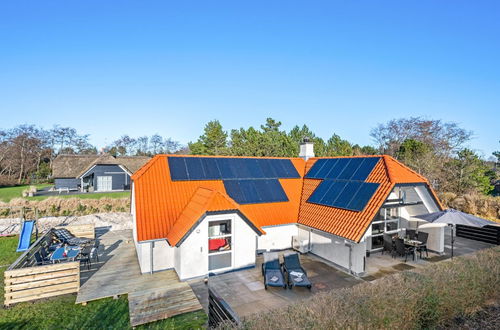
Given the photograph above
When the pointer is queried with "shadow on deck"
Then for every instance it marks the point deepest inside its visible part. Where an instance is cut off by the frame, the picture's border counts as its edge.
(151, 297)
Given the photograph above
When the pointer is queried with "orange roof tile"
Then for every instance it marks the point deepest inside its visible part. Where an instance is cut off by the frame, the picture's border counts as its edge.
(169, 209)
(159, 201)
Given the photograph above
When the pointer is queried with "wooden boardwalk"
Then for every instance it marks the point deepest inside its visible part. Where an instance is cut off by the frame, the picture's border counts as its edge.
(151, 296)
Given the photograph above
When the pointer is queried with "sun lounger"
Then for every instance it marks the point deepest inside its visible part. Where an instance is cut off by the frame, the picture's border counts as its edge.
(296, 275)
(271, 269)
(63, 235)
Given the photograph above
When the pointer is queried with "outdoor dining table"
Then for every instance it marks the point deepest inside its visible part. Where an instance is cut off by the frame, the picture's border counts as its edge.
(71, 253)
(414, 244)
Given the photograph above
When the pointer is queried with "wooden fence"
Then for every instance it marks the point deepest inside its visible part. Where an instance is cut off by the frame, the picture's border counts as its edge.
(488, 234)
(38, 282)
(26, 281)
(219, 311)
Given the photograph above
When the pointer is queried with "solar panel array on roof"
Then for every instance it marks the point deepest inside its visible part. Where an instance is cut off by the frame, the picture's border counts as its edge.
(254, 191)
(214, 168)
(343, 183)
(356, 168)
(349, 195)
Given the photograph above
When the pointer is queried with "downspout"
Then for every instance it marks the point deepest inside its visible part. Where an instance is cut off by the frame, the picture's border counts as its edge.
(350, 255)
(152, 245)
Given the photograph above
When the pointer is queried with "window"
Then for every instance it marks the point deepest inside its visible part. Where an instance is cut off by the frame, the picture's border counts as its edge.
(386, 221)
(220, 239)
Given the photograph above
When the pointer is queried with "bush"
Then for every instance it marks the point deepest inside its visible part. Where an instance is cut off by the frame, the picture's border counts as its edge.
(426, 298)
(480, 205)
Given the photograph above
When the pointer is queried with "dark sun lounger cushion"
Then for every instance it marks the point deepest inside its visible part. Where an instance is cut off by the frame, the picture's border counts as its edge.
(296, 275)
(271, 269)
(66, 237)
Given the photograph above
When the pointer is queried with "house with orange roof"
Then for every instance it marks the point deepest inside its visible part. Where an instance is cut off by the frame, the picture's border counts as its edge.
(212, 214)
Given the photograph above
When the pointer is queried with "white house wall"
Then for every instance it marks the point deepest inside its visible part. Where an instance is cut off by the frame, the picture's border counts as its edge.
(277, 237)
(192, 258)
(426, 197)
(334, 249)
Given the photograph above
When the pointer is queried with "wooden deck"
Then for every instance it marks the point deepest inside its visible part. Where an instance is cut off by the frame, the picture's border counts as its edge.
(152, 297)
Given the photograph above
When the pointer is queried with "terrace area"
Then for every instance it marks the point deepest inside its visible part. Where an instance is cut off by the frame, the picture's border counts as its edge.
(244, 290)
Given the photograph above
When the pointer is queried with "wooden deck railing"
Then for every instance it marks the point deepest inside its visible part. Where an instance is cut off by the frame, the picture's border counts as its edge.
(26, 281)
(219, 311)
(38, 282)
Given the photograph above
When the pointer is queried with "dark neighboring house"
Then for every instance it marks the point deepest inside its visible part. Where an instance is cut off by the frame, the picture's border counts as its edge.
(95, 172)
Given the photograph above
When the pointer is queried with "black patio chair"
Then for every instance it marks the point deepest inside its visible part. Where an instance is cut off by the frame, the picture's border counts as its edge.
(411, 233)
(85, 257)
(422, 237)
(271, 269)
(40, 260)
(64, 236)
(296, 275)
(96, 248)
(44, 253)
(388, 245)
(402, 250)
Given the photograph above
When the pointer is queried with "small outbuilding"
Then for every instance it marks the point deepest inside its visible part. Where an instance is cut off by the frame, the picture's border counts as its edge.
(89, 173)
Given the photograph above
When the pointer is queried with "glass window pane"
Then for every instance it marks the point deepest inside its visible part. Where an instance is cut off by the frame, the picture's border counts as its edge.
(392, 225)
(219, 261)
(377, 242)
(377, 228)
(219, 244)
(219, 228)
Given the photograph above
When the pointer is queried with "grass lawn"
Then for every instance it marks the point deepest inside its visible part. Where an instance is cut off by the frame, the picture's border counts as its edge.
(118, 194)
(62, 312)
(8, 193)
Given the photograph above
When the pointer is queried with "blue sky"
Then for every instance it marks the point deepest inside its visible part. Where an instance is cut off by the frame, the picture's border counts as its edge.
(143, 67)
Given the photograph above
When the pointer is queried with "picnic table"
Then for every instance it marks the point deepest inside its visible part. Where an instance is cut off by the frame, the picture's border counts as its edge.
(71, 253)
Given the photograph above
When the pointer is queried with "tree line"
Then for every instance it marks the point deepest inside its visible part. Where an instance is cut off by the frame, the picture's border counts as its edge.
(27, 151)
(433, 148)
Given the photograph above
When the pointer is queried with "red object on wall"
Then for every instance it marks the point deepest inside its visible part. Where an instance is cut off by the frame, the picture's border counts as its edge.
(216, 244)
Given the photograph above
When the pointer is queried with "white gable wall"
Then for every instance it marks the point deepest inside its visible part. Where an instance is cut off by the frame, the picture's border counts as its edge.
(192, 257)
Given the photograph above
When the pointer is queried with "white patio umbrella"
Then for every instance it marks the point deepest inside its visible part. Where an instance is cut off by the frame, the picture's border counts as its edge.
(453, 217)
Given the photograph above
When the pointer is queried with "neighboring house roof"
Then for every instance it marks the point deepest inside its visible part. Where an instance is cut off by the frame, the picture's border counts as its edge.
(73, 166)
(169, 209)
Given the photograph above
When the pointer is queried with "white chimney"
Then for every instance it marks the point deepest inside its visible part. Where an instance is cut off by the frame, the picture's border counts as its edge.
(306, 149)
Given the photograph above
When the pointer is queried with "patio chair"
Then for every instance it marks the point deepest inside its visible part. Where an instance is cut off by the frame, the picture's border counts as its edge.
(63, 235)
(44, 253)
(96, 247)
(296, 275)
(271, 269)
(40, 260)
(388, 245)
(422, 237)
(85, 257)
(411, 233)
(402, 250)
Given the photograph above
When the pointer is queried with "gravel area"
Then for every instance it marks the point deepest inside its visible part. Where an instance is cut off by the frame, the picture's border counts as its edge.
(115, 221)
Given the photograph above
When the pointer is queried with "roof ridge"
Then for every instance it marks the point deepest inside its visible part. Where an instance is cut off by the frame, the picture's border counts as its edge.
(143, 169)
(406, 167)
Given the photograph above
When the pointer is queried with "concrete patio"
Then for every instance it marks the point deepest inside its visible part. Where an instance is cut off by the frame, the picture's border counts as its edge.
(244, 290)
(379, 265)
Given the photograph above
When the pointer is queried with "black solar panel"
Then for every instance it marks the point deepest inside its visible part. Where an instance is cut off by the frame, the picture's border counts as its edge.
(253, 191)
(344, 194)
(177, 167)
(346, 168)
(363, 195)
(201, 168)
(313, 171)
(365, 168)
